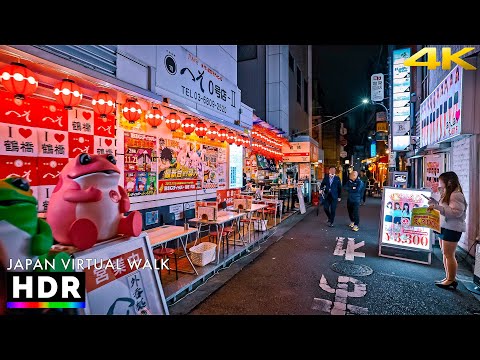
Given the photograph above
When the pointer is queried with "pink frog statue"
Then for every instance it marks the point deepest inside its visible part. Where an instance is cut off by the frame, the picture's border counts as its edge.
(87, 205)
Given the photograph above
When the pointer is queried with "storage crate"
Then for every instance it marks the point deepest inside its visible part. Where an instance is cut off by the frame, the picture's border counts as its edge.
(203, 253)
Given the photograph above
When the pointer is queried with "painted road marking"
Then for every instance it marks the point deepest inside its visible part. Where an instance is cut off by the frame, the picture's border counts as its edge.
(339, 306)
(350, 252)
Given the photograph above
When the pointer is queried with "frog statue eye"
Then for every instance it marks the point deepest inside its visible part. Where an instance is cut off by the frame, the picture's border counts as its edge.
(85, 159)
(111, 158)
(21, 183)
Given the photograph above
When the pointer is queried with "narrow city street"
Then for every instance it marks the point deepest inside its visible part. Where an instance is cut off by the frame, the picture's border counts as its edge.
(295, 275)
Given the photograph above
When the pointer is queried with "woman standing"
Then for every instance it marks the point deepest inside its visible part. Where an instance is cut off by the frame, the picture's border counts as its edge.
(453, 211)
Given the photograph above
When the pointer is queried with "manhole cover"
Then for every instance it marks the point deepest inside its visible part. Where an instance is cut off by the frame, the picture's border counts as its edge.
(347, 268)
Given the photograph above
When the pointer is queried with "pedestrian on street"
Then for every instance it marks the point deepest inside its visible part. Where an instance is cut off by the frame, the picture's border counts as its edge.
(355, 188)
(453, 212)
(364, 178)
(331, 190)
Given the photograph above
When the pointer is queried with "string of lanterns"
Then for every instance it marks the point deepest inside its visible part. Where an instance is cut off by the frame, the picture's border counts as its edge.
(267, 143)
(22, 82)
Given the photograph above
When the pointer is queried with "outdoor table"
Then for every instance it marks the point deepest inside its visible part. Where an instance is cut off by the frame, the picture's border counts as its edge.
(166, 233)
(222, 218)
(278, 203)
(249, 212)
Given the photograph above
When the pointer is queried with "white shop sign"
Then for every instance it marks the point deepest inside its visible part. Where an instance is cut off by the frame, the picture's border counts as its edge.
(184, 74)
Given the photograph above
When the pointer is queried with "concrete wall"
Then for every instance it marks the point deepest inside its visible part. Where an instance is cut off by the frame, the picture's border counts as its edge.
(298, 118)
(251, 75)
(136, 64)
(277, 86)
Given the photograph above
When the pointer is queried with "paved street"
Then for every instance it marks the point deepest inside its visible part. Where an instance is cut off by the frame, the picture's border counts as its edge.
(294, 276)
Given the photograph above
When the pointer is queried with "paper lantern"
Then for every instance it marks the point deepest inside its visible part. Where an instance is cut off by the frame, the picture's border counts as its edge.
(103, 104)
(230, 137)
(68, 94)
(132, 110)
(173, 121)
(222, 135)
(200, 129)
(154, 117)
(212, 132)
(188, 125)
(238, 140)
(19, 80)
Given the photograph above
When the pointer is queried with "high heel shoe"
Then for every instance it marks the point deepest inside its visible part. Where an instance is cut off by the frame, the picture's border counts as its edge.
(453, 284)
(439, 281)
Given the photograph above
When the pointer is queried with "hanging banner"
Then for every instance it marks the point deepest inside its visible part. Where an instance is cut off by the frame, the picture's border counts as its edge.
(179, 165)
(140, 164)
(422, 217)
(434, 166)
(222, 168)
(210, 157)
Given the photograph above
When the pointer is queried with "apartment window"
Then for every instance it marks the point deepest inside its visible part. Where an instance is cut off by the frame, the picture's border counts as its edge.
(299, 86)
(305, 95)
(246, 52)
(291, 62)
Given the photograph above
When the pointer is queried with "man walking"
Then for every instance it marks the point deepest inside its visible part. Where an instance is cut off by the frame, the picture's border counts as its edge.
(331, 190)
(364, 178)
(355, 188)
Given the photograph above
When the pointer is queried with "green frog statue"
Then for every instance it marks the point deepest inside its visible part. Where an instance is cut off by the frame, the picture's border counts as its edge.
(24, 237)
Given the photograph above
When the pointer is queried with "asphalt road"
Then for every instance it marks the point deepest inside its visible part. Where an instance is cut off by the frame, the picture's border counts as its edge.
(294, 276)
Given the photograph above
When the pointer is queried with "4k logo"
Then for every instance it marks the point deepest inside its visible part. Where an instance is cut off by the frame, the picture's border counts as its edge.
(447, 58)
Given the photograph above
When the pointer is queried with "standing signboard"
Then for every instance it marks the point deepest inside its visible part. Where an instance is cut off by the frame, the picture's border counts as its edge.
(121, 279)
(397, 237)
(301, 201)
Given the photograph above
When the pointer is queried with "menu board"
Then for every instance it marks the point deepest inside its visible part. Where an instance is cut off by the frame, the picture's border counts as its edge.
(140, 164)
(210, 157)
(396, 226)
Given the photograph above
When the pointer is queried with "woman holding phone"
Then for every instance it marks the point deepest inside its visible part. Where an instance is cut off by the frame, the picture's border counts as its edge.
(453, 211)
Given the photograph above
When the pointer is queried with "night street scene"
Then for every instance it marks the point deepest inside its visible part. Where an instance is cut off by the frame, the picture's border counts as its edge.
(239, 180)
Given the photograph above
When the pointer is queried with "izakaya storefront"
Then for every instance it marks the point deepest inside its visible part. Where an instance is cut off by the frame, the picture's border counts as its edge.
(169, 155)
(449, 141)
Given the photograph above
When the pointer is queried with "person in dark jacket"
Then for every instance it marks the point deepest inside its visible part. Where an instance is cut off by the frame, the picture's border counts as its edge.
(331, 191)
(355, 188)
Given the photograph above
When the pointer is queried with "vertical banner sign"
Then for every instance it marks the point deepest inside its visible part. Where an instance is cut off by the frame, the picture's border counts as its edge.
(434, 165)
(396, 227)
(377, 87)
(179, 165)
(441, 111)
(236, 166)
(210, 157)
(222, 168)
(401, 98)
(140, 164)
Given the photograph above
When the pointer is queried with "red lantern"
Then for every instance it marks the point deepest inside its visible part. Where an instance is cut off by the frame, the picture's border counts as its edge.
(238, 140)
(103, 104)
(200, 129)
(154, 117)
(212, 132)
(246, 141)
(173, 121)
(68, 94)
(230, 137)
(222, 135)
(188, 126)
(19, 80)
(132, 111)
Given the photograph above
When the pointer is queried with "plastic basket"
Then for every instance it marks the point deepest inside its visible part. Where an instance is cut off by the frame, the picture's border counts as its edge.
(203, 253)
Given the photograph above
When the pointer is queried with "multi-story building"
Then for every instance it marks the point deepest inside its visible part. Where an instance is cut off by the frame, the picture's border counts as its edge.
(447, 131)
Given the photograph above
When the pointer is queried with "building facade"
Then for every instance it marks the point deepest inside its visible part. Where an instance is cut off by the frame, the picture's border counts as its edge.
(196, 82)
(446, 129)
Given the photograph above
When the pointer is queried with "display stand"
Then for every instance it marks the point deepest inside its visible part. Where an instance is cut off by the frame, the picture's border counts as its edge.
(397, 239)
(124, 289)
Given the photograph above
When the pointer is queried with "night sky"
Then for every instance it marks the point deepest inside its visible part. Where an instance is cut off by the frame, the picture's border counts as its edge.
(344, 74)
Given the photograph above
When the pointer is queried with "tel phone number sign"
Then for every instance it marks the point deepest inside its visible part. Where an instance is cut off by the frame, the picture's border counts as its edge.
(397, 219)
